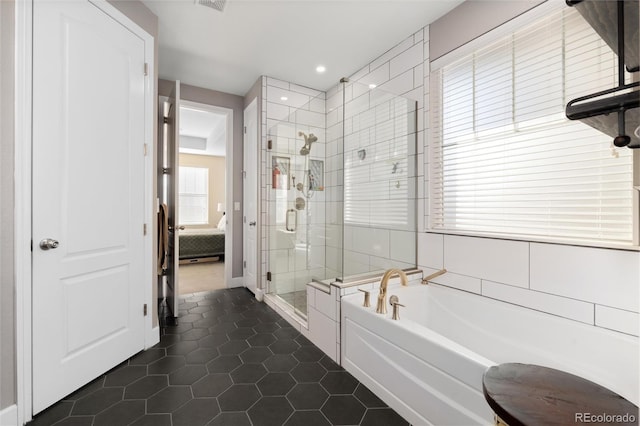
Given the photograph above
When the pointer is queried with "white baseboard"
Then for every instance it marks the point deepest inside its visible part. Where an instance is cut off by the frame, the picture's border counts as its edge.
(259, 294)
(9, 416)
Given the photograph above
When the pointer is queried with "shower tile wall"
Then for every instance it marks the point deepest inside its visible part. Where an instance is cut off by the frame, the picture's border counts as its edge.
(286, 255)
(381, 189)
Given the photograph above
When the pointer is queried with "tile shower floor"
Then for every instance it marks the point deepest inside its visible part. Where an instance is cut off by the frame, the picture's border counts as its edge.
(230, 361)
(297, 299)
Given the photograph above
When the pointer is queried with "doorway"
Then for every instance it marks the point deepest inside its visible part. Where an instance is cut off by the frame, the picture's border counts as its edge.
(197, 163)
(202, 177)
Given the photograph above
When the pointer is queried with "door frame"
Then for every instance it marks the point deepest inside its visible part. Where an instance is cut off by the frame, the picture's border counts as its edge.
(252, 108)
(23, 185)
(228, 180)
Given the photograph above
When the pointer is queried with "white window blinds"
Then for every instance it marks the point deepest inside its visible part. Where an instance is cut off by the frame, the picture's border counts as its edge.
(505, 161)
(193, 186)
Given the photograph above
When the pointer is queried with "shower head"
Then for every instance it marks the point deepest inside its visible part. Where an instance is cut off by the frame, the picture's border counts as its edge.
(308, 140)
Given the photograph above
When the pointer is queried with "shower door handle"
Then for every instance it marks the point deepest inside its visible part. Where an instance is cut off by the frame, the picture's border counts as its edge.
(295, 220)
(252, 223)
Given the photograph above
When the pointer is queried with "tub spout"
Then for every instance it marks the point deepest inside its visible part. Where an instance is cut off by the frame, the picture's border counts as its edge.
(381, 307)
(426, 280)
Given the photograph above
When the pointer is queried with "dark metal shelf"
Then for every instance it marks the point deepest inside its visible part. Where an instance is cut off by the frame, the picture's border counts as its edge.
(615, 111)
(603, 17)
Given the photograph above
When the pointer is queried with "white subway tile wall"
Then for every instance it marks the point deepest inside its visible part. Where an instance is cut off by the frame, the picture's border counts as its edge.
(593, 285)
(617, 319)
(561, 306)
(495, 260)
(380, 189)
(596, 286)
(606, 277)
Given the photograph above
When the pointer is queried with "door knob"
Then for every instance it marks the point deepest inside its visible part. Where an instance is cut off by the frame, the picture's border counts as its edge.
(252, 223)
(49, 243)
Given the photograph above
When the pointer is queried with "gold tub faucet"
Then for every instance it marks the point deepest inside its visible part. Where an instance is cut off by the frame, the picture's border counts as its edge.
(381, 307)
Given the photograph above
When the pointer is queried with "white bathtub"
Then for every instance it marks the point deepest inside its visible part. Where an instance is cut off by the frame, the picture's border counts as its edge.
(428, 366)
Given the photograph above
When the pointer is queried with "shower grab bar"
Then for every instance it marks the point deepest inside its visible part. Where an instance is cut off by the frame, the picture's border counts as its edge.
(295, 222)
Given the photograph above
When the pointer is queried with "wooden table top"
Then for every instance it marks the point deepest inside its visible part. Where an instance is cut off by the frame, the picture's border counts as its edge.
(531, 395)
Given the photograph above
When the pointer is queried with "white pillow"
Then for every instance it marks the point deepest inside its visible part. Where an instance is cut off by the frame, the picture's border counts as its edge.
(222, 223)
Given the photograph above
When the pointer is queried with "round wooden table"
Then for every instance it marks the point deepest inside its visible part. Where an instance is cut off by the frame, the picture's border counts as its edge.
(531, 395)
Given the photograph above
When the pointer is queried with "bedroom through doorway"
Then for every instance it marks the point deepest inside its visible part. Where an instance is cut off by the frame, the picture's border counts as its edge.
(202, 198)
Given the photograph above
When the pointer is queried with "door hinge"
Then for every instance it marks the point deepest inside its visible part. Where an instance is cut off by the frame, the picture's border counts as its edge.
(245, 130)
(146, 149)
(146, 68)
(268, 276)
(165, 171)
(244, 264)
(144, 309)
(269, 144)
(165, 120)
(144, 229)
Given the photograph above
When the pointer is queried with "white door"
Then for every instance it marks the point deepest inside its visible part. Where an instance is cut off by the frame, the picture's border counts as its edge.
(171, 147)
(250, 197)
(88, 196)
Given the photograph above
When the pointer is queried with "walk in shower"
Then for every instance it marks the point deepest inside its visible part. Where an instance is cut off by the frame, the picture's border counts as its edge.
(341, 189)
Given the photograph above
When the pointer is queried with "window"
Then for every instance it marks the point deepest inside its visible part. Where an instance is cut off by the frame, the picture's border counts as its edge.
(193, 185)
(505, 161)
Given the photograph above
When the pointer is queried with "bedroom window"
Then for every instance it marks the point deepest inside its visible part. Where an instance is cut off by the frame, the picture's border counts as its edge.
(505, 161)
(193, 183)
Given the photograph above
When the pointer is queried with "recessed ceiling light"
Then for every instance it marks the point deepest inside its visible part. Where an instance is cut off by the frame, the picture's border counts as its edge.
(284, 98)
(320, 69)
(372, 86)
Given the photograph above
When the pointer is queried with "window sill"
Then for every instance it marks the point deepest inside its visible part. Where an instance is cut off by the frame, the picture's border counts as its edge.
(530, 239)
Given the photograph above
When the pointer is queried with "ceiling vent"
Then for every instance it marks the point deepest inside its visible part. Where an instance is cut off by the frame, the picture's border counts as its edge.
(214, 4)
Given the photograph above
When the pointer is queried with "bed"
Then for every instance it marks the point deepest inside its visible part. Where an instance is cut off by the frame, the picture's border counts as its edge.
(201, 243)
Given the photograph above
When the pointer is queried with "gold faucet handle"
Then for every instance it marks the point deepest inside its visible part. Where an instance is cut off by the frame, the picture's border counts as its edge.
(367, 299)
(395, 302)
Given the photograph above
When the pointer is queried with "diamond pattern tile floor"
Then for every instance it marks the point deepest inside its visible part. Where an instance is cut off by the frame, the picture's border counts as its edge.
(230, 361)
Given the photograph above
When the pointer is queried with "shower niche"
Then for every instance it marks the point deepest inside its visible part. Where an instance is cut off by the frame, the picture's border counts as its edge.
(341, 200)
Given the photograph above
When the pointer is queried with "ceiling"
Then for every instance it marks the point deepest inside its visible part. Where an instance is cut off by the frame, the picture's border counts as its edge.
(202, 132)
(287, 39)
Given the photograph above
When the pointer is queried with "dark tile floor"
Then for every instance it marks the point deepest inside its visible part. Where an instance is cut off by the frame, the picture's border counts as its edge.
(230, 361)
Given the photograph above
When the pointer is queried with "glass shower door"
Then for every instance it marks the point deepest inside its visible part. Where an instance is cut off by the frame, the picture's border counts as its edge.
(296, 243)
